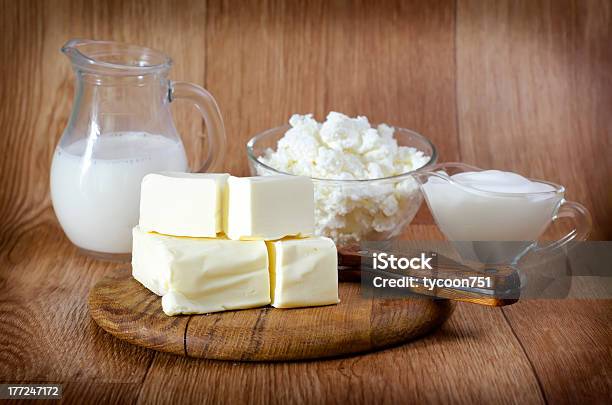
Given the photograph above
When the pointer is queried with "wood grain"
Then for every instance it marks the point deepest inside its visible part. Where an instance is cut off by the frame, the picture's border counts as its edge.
(46, 331)
(320, 56)
(535, 92)
(522, 85)
(581, 334)
(535, 84)
(473, 358)
(127, 310)
(124, 308)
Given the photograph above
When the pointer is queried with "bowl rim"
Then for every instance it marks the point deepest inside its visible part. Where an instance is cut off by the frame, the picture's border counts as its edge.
(432, 159)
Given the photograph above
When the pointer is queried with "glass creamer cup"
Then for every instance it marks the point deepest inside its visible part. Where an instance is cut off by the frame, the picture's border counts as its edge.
(352, 211)
(497, 228)
(119, 130)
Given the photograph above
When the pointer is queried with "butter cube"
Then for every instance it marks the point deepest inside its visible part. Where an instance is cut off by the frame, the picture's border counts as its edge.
(183, 204)
(269, 207)
(201, 275)
(303, 272)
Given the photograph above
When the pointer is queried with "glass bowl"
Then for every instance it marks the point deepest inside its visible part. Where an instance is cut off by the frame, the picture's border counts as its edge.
(351, 211)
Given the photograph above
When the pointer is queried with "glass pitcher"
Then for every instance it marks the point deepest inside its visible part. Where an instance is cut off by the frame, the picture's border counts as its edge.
(120, 129)
(497, 228)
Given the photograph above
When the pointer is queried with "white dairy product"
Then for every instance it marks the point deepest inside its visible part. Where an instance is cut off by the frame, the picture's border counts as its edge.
(95, 186)
(500, 182)
(303, 272)
(491, 205)
(183, 204)
(201, 275)
(267, 208)
(344, 148)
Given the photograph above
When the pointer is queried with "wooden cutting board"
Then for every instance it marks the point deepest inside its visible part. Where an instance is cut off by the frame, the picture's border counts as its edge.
(125, 309)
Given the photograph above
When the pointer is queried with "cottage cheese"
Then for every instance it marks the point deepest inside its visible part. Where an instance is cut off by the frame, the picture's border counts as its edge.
(344, 148)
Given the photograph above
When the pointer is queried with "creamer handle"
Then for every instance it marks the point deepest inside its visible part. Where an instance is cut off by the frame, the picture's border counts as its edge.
(582, 225)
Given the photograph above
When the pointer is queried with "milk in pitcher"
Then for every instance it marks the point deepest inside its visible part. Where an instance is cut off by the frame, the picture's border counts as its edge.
(96, 191)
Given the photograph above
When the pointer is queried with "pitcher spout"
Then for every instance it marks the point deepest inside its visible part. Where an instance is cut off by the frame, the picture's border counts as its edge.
(69, 48)
(114, 58)
(443, 171)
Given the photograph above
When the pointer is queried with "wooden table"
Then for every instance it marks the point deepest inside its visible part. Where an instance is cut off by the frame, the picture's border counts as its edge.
(523, 86)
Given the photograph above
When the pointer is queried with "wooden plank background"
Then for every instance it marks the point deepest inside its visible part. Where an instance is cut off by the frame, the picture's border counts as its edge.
(518, 85)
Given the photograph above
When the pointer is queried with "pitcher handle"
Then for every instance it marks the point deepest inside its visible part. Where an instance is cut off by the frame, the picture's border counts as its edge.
(582, 224)
(209, 109)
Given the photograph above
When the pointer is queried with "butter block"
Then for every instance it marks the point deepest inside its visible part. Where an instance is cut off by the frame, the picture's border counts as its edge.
(201, 275)
(303, 272)
(183, 204)
(269, 207)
